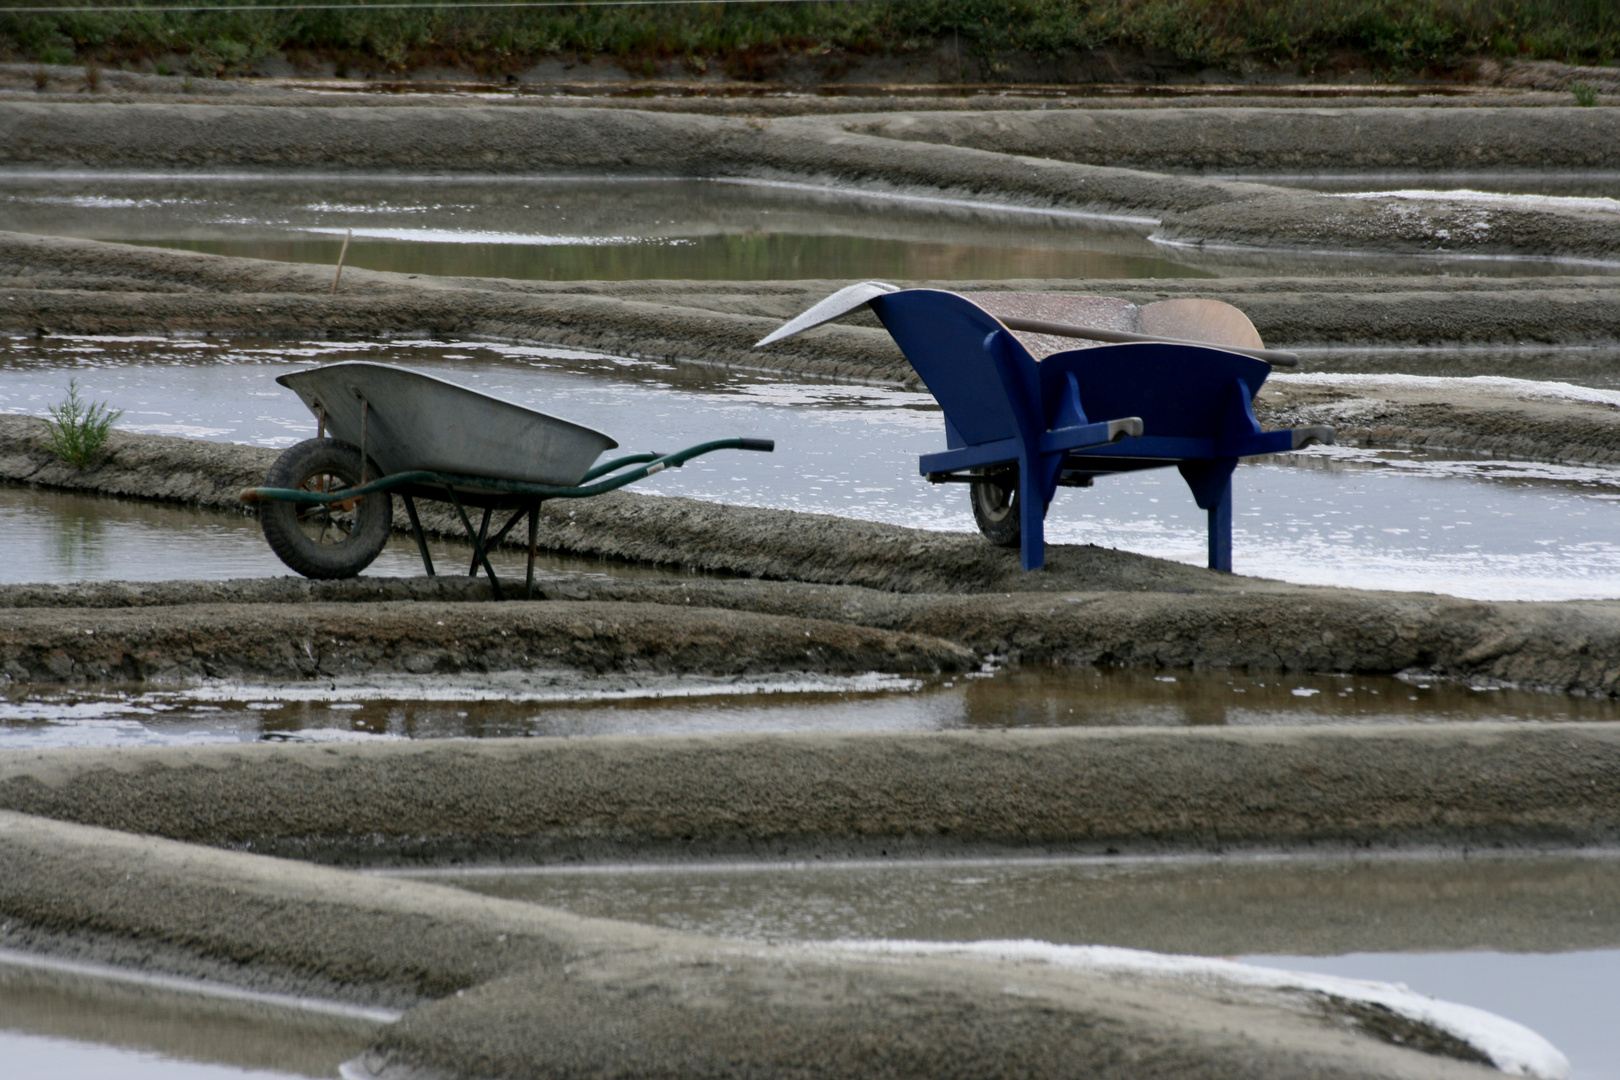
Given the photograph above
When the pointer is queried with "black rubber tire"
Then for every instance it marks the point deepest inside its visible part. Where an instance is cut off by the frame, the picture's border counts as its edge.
(995, 508)
(321, 540)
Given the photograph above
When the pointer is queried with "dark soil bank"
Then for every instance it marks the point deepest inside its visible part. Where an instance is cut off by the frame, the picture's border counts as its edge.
(912, 591)
(116, 856)
(840, 795)
(505, 988)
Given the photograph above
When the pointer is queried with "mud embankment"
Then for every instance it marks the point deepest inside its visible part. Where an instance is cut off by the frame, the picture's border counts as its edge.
(1308, 139)
(509, 988)
(908, 590)
(557, 141)
(284, 641)
(1074, 790)
(55, 285)
(1526, 421)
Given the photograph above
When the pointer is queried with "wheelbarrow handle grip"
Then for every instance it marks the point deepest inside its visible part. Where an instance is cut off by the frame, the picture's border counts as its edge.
(767, 445)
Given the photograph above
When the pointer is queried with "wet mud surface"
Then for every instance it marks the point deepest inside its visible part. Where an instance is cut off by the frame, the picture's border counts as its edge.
(68, 286)
(538, 140)
(830, 795)
(514, 988)
(880, 583)
(801, 593)
(1246, 137)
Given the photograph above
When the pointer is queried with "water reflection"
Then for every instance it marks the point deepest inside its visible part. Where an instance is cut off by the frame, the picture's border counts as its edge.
(57, 1023)
(630, 227)
(598, 228)
(506, 706)
(745, 256)
(80, 549)
(48, 535)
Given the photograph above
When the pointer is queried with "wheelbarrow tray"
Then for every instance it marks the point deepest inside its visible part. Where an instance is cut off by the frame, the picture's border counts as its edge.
(415, 422)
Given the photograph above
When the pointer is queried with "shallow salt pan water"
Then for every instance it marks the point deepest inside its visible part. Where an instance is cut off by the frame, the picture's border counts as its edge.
(1339, 516)
(37, 1057)
(595, 228)
(1535, 939)
(627, 227)
(60, 1020)
(560, 705)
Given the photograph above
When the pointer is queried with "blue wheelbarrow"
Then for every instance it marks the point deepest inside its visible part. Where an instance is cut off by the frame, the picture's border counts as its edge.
(1017, 429)
(327, 506)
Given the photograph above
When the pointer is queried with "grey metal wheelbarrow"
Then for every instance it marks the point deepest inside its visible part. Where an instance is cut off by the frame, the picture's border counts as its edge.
(383, 430)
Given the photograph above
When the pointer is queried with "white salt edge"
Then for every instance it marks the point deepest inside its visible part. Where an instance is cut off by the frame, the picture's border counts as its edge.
(1528, 388)
(1489, 198)
(457, 236)
(1513, 1048)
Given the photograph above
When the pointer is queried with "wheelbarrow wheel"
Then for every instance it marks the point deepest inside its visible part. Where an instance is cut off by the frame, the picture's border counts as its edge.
(995, 508)
(325, 540)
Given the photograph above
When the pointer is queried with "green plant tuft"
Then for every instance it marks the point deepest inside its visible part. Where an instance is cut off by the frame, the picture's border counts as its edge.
(1585, 93)
(78, 428)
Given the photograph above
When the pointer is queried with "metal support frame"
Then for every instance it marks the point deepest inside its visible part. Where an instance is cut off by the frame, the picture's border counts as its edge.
(482, 542)
(534, 533)
(478, 546)
(416, 531)
(496, 494)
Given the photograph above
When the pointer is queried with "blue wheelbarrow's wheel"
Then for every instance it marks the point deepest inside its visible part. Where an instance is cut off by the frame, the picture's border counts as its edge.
(325, 540)
(995, 508)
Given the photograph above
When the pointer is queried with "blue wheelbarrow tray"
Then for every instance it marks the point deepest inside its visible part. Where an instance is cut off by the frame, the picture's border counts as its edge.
(1017, 428)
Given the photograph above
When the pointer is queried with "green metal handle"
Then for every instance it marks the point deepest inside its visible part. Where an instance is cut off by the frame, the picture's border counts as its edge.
(647, 464)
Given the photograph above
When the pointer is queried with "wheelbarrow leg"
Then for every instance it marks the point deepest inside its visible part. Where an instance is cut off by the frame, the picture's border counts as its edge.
(488, 543)
(1211, 484)
(534, 535)
(416, 531)
(478, 547)
(1031, 515)
(483, 531)
(1220, 532)
(500, 534)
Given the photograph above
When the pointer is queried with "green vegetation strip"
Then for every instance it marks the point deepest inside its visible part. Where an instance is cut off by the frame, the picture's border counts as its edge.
(1397, 37)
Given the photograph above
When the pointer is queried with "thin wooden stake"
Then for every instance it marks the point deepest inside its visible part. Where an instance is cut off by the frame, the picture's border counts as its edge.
(344, 254)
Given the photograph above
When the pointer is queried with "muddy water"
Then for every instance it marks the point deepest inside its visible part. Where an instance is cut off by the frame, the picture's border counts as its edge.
(58, 1022)
(62, 536)
(593, 228)
(617, 228)
(491, 707)
(1385, 519)
(1536, 939)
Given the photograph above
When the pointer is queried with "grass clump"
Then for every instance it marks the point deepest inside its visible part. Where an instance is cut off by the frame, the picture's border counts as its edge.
(79, 428)
(1585, 93)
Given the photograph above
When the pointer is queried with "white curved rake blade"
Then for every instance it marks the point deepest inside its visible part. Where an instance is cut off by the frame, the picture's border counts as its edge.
(842, 302)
